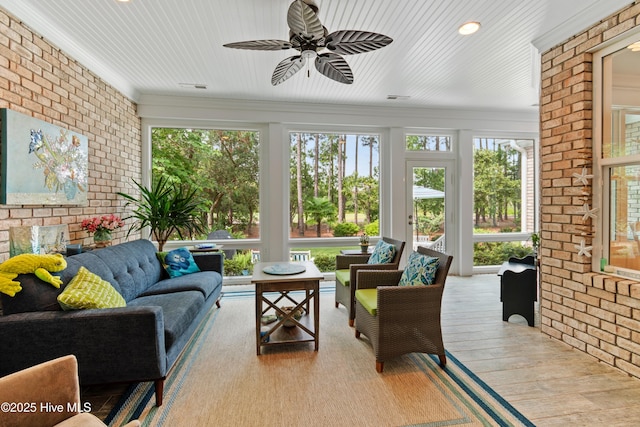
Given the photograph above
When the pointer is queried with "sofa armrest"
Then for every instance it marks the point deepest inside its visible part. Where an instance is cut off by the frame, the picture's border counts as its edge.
(210, 261)
(111, 345)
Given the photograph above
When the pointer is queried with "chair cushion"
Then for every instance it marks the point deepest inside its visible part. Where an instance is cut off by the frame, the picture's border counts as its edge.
(383, 253)
(369, 300)
(420, 270)
(88, 290)
(343, 277)
(178, 262)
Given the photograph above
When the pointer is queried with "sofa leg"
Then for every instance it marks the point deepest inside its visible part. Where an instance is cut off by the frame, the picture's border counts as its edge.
(379, 366)
(219, 298)
(159, 384)
(351, 321)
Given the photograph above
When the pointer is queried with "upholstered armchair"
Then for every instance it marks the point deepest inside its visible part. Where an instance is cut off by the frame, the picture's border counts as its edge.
(398, 312)
(47, 394)
(347, 267)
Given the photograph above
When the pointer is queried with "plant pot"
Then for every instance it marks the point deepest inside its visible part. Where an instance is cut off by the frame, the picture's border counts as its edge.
(102, 238)
(364, 248)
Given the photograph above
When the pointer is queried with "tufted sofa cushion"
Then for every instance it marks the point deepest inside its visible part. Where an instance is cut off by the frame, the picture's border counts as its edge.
(131, 267)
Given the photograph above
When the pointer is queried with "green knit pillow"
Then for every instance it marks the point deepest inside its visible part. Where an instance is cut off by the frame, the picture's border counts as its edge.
(88, 290)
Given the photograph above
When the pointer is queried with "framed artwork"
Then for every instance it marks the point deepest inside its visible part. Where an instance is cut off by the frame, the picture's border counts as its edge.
(38, 239)
(42, 164)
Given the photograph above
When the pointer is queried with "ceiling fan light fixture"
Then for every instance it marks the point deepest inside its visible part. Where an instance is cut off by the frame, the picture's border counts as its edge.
(469, 28)
(308, 54)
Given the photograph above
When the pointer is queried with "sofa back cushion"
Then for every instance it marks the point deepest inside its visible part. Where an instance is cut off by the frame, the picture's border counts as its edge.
(131, 267)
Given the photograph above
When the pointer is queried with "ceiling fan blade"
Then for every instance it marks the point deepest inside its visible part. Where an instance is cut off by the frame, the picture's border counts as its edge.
(350, 42)
(286, 69)
(334, 67)
(304, 22)
(260, 45)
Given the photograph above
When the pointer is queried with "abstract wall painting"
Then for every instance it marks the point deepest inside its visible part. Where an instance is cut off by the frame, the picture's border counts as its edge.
(42, 164)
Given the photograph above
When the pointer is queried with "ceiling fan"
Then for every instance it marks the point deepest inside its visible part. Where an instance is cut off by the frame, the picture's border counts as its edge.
(311, 38)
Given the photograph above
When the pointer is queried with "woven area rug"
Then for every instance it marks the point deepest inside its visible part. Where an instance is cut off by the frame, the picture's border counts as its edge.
(220, 380)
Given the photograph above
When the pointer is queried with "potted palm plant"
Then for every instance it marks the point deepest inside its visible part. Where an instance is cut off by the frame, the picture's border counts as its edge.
(165, 209)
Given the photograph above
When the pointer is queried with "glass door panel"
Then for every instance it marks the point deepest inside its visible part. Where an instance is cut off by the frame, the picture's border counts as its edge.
(427, 213)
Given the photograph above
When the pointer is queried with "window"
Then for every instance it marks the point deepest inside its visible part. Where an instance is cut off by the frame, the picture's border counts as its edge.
(428, 143)
(503, 189)
(334, 184)
(222, 165)
(618, 160)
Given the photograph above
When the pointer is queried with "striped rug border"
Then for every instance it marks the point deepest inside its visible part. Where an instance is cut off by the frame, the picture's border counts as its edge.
(136, 398)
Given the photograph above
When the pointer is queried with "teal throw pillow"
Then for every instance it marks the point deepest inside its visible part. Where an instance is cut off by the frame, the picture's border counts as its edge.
(178, 262)
(382, 253)
(420, 270)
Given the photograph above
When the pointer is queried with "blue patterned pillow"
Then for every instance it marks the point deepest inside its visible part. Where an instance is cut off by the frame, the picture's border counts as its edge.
(383, 253)
(420, 270)
(178, 262)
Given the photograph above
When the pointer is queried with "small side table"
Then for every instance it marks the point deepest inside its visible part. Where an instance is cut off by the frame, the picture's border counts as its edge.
(518, 289)
(356, 251)
(282, 285)
(216, 248)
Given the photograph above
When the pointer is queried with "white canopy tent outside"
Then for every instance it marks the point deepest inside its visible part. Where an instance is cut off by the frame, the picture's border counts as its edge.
(419, 193)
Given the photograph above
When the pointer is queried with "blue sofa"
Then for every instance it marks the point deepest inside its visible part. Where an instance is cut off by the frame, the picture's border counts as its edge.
(139, 342)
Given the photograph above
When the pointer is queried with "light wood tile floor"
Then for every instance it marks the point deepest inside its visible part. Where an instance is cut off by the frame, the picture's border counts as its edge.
(546, 380)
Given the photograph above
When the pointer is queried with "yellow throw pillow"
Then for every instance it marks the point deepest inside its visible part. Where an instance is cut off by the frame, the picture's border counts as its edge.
(88, 290)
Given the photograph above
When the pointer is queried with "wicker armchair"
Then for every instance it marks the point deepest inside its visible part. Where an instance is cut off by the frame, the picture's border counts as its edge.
(407, 318)
(345, 288)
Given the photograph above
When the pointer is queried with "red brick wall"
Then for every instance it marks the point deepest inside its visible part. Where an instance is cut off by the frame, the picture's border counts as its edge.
(39, 80)
(597, 314)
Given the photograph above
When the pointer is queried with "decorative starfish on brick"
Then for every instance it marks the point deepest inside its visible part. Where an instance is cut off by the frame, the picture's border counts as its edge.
(583, 177)
(588, 213)
(583, 249)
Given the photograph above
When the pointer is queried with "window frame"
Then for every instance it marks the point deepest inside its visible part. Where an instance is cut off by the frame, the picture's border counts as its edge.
(601, 166)
(147, 166)
(383, 145)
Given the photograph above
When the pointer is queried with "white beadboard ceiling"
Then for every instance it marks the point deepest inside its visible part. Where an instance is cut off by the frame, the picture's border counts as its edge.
(150, 47)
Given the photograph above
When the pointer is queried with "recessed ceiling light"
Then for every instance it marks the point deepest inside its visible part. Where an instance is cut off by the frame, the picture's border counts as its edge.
(469, 28)
(634, 46)
(123, 1)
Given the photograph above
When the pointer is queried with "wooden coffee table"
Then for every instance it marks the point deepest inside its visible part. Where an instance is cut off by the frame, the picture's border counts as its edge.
(306, 328)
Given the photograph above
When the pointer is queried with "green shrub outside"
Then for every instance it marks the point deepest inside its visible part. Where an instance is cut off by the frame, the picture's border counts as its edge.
(345, 229)
(373, 228)
(325, 263)
(235, 266)
(495, 253)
